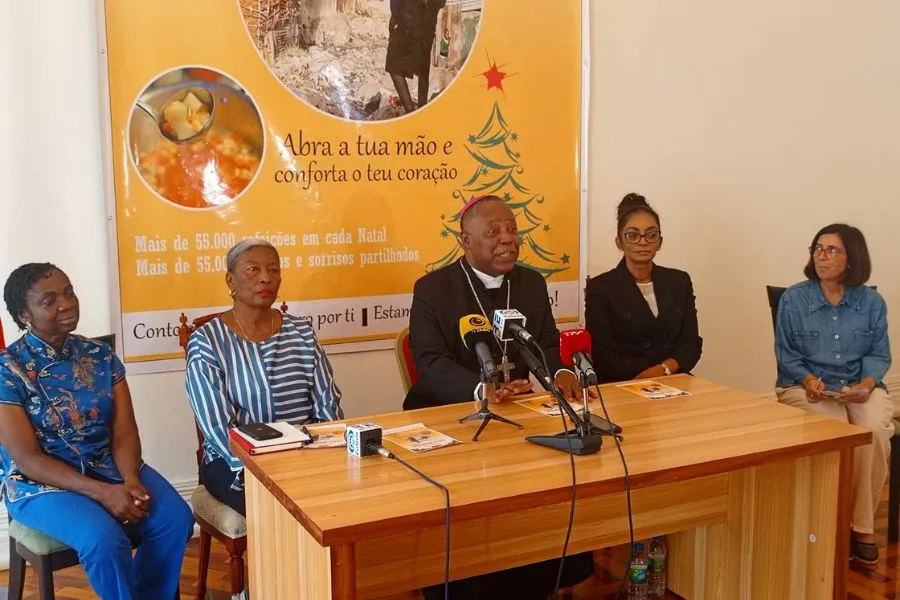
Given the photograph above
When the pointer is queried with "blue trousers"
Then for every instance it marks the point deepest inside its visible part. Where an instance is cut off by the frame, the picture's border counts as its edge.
(103, 543)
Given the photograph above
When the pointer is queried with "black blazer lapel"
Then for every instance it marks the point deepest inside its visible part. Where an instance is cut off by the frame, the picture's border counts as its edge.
(669, 291)
(642, 317)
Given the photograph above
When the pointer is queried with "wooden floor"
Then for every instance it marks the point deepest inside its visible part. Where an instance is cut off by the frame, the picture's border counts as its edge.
(863, 584)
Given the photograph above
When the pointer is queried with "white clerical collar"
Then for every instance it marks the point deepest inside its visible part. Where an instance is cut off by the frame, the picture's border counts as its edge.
(491, 283)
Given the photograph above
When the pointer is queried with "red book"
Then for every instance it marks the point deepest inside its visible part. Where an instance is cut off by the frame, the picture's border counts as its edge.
(291, 438)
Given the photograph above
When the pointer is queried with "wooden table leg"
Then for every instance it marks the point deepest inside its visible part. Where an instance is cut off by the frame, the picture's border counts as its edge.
(343, 572)
(844, 516)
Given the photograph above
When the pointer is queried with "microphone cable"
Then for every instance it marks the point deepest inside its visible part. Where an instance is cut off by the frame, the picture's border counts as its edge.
(444, 489)
(627, 492)
(562, 415)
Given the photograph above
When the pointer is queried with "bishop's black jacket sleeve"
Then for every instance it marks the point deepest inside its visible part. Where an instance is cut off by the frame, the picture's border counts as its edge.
(441, 378)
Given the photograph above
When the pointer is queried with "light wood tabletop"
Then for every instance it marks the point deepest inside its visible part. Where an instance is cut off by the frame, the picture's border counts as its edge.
(340, 498)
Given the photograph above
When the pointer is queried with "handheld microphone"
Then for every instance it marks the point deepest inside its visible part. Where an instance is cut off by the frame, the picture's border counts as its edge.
(476, 336)
(363, 439)
(509, 326)
(575, 348)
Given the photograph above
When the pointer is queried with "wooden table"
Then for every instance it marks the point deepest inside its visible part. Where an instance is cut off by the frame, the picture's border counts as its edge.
(754, 496)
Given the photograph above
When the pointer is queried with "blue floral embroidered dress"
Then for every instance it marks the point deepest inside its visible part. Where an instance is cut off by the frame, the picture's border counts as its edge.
(68, 398)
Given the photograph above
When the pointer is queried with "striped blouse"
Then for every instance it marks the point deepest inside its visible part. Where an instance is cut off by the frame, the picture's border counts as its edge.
(232, 382)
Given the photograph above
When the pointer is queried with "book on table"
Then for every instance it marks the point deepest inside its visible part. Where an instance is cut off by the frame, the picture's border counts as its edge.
(291, 437)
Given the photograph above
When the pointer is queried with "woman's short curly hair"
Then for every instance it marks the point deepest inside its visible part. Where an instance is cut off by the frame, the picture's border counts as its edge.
(19, 282)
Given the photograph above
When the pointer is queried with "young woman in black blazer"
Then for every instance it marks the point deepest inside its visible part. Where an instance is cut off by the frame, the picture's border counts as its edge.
(641, 316)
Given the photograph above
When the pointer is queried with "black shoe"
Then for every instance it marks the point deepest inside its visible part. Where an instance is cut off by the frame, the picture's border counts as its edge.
(864, 552)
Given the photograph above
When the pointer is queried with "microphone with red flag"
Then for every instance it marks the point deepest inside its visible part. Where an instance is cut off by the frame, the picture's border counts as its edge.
(575, 348)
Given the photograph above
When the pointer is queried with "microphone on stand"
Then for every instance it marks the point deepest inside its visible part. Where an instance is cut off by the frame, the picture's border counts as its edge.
(475, 332)
(509, 326)
(476, 336)
(583, 439)
(575, 350)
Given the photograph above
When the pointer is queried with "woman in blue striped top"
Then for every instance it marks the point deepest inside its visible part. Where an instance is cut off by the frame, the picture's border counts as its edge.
(253, 365)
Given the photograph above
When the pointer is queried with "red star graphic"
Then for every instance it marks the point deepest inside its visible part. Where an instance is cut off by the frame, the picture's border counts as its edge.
(494, 77)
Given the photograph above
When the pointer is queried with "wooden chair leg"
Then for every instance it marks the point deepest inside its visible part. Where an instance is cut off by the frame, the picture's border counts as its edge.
(16, 572)
(894, 491)
(237, 571)
(45, 578)
(205, 542)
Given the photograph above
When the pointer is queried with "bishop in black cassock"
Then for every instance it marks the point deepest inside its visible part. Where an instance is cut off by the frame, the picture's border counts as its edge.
(487, 278)
(448, 371)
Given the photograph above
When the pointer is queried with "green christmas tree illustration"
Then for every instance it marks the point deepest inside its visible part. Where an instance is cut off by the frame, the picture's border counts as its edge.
(497, 170)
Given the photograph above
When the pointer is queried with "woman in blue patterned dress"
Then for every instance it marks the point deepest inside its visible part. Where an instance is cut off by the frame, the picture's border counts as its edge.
(70, 453)
(252, 364)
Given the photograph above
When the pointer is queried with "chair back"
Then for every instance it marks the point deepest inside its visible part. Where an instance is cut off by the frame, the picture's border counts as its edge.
(774, 293)
(2, 342)
(109, 339)
(405, 361)
(185, 331)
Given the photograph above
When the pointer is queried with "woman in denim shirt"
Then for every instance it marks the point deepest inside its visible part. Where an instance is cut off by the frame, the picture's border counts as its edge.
(831, 344)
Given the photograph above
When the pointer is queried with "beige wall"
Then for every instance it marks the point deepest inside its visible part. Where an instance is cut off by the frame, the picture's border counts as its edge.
(748, 124)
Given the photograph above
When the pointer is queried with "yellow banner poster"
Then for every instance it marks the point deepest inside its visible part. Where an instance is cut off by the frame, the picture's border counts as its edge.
(349, 134)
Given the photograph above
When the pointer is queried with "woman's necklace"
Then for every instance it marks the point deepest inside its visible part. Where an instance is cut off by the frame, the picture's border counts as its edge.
(506, 367)
(244, 333)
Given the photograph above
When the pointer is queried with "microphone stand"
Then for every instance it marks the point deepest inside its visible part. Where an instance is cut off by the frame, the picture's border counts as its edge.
(597, 423)
(584, 439)
(484, 414)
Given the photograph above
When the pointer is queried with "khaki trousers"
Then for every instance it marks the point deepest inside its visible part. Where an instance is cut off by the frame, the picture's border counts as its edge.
(870, 462)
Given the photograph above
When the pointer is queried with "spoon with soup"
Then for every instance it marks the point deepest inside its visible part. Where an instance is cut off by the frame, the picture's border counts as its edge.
(185, 116)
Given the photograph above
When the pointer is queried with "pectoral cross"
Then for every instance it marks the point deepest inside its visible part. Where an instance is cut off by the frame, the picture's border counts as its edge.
(506, 368)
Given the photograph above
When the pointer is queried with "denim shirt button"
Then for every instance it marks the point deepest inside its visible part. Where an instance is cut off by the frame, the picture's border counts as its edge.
(837, 355)
(837, 337)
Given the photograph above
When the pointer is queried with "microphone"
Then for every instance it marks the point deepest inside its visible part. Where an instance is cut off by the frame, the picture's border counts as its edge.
(584, 439)
(537, 368)
(363, 439)
(476, 336)
(509, 326)
(378, 449)
(475, 332)
(575, 348)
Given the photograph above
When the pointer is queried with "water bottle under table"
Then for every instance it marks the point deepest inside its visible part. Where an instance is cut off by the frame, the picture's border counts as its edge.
(637, 574)
(656, 576)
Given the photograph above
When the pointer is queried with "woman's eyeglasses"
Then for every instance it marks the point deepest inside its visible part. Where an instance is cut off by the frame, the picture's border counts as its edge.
(634, 237)
(830, 251)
